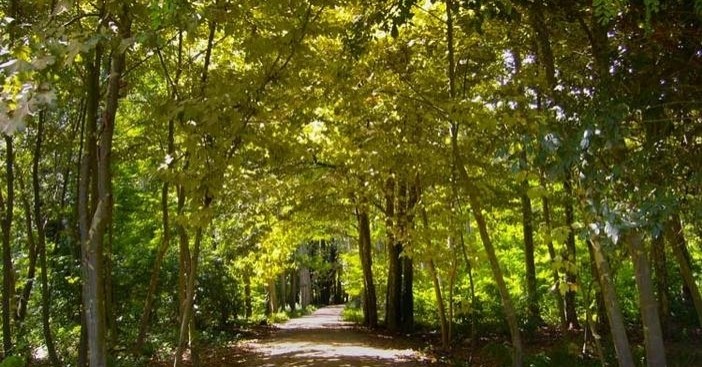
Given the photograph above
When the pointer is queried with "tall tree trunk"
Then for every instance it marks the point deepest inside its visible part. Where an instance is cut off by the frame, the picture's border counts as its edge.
(394, 282)
(407, 199)
(507, 304)
(661, 278)
(443, 323)
(90, 324)
(186, 319)
(294, 290)
(248, 306)
(165, 218)
(614, 313)
(283, 291)
(452, 287)
(40, 223)
(8, 281)
(653, 336)
(679, 247)
(533, 311)
(26, 291)
(272, 296)
(546, 209)
(472, 192)
(571, 276)
(305, 280)
(370, 303)
(440, 303)
(407, 300)
(546, 61)
(94, 223)
(473, 298)
(161, 253)
(8, 284)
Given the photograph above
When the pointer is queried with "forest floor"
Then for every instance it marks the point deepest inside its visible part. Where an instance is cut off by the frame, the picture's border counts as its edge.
(320, 339)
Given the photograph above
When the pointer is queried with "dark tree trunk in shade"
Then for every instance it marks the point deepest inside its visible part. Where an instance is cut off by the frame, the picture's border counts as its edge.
(676, 238)
(370, 311)
(570, 255)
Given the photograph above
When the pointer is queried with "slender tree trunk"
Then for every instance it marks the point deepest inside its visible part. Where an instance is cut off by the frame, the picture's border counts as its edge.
(441, 310)
(161, 253)
(407, 300)
(248, 305)
(186, 319)
(546, 208)
(40, 223)
(440, 303)
(653, 336)
(614, 313)
(305, 281)
(370, 303)
(165, 218)
(393, 293)
(452, 288)
(183, 252)
(8, 281)
(272, 296)
(533, 311)
(294, 290)
(571, 276)
(283, 291)
(26, 291)
(408, 198)
(472, 192)
(95, 223)
(473, 298)
(8, 288)
(661, 277)
(507, 304)
(677, 241)
(592, 328)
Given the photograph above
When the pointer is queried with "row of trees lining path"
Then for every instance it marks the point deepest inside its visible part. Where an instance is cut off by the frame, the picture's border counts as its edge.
(496, 170)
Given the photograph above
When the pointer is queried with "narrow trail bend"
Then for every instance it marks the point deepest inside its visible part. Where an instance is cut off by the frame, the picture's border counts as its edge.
(323, 339)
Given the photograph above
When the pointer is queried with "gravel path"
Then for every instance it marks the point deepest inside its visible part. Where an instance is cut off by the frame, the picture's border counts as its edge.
(322, 339)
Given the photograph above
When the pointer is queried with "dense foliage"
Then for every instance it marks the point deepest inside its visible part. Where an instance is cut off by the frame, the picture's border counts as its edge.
(173, 170)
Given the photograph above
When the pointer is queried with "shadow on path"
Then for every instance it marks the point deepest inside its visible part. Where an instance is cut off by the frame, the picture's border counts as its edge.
(322, 339)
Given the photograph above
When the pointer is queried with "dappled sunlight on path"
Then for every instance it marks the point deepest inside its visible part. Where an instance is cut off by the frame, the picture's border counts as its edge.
(322, 339)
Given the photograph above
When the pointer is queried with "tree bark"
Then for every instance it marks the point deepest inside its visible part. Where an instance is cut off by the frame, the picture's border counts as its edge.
(40, 223)
(661, 278)
(533, 311)
(8, 284)
(614, 313)
(26, 291)
(186, 319)
(370, 303)
(161, 253)
(507, 304)
(440, 303)
(305, 280)
(393, 312)
(676, 238)
(570, 256)
(546, 208)
(407, 300)
(472, 192)
(653, 335)
(408, 198)
(248, 306)
(94, 223)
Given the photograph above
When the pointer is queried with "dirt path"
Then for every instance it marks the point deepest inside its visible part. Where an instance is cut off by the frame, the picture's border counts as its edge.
(323, 340)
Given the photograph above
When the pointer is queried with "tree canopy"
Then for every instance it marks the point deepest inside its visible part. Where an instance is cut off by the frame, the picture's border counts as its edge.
(176, 169)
